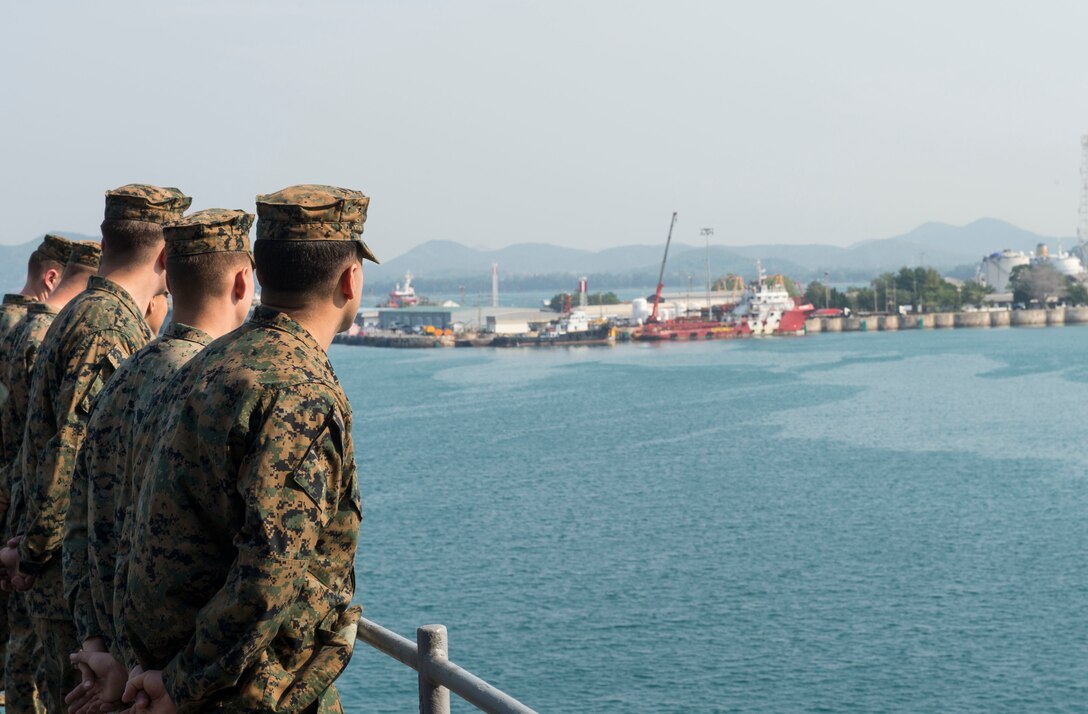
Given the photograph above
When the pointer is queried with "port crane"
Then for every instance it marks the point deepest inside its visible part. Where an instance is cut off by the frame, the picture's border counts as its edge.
(661, 275)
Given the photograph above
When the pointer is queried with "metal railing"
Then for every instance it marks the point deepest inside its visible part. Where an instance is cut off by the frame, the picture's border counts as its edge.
(429, 656)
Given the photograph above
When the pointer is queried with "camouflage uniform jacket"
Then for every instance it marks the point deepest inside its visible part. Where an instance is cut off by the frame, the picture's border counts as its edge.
(242, 563)
(15, 368)
(12, 312)
(102, 492)
(90, 337)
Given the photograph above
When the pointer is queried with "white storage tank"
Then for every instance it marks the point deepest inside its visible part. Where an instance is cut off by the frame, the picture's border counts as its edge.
(995, 269)
(1065, 263)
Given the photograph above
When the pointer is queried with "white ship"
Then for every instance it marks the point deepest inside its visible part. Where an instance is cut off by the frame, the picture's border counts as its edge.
(767, 308)
(402, 296)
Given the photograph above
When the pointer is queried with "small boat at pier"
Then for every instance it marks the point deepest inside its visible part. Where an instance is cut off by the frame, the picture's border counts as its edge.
(574, 328)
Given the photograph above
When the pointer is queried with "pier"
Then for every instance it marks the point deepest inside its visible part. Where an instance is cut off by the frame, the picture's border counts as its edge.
(874, 322)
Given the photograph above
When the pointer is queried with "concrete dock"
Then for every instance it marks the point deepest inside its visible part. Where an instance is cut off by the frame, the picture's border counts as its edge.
(1054, 317)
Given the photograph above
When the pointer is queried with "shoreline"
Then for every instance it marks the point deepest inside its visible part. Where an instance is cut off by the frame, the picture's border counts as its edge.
(983, 319)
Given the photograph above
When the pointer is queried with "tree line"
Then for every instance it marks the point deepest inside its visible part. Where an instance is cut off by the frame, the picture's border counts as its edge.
(926, 290)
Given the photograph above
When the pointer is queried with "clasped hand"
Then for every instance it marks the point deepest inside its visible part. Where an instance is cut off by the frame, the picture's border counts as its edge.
(11, 578)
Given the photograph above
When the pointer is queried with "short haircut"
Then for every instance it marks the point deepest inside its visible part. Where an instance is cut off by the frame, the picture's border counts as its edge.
(195, 278)
(130, 241)
(39, 263)
(302, 269)
(77, 270)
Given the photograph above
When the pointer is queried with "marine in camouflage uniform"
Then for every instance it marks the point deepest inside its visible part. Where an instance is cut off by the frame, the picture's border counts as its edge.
(21, 346)
(54, 249)
(89, 339)
(241, 572)
(19, 653)
(23, 671)
(103, 488)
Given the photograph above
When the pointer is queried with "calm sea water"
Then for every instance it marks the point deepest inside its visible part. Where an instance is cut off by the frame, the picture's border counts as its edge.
(856, 523)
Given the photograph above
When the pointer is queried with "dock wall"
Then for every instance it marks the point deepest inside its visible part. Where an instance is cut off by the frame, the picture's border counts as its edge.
(1028, 318)
(942, 320)
(947, 320)
(971, 319)
(1076, 315)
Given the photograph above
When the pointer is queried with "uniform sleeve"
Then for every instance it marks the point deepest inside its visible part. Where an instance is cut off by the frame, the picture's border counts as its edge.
(5, 498)
(77, 570)
(290, 486)
(48, 474)
(5, 394)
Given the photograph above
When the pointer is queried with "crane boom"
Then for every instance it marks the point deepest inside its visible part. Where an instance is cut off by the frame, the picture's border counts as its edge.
(661, 275)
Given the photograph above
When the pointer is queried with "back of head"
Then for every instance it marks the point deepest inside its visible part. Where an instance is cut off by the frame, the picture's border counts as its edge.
(83, 262)
(52, 254)
(204, 250)
(135, 214)
(306, 236)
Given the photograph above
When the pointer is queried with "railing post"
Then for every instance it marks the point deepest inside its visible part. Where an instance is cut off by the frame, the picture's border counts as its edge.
(433, 647)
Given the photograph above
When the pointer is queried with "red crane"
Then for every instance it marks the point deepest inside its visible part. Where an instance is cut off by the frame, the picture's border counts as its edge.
(661, 275)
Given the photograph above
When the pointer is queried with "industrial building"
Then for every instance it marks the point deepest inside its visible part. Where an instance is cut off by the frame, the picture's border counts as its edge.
(497, 320)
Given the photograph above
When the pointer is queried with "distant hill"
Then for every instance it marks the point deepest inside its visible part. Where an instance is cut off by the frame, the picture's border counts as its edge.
(446, 259)
(444, 266)
(942, 245)
(939, 245)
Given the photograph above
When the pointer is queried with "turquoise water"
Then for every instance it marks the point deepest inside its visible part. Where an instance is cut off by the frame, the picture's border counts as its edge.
(853, 522)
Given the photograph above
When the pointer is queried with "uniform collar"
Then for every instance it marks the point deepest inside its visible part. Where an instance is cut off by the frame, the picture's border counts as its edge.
(106, 285)
(181, 331)
(267, 317)
(41, 308)
(17, 299)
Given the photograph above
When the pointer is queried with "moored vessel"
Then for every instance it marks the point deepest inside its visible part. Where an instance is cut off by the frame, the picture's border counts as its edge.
(402, 296)
(767, 308)
(658, 330)
(572, 329)
(680, 329)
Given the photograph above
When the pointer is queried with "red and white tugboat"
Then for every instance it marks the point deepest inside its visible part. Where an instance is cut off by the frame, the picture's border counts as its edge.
(767, 308)
(402, 296)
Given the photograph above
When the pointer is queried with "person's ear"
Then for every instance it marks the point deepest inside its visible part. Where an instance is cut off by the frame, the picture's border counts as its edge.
(242, 279)
(347, 280)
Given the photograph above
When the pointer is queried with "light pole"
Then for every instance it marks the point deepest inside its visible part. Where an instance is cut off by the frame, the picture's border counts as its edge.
(706, 233)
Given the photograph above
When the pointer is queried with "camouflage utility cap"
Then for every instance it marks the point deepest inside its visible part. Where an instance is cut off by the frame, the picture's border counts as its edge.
(313, 212)
(55, 247)
(86, 252)
(213, 230)
(139, 202)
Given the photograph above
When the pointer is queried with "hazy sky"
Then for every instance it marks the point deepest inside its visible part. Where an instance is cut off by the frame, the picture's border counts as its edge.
(577, 123)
